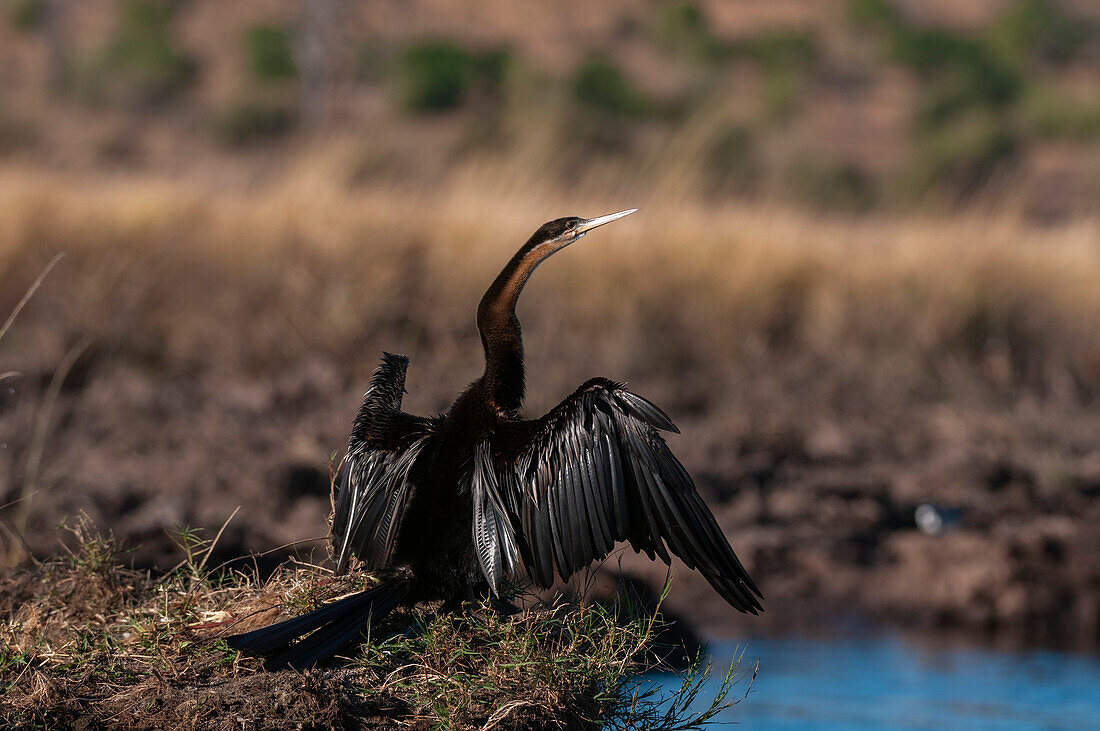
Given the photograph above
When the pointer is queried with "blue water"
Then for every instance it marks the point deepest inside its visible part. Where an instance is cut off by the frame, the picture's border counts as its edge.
(885, 682)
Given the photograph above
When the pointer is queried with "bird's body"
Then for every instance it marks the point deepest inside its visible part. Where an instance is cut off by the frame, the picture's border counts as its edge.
(448, 506)
(440, 506)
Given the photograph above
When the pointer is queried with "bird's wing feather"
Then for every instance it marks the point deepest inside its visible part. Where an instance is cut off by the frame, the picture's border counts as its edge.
(595, 470)
(493, 533)
(372, 484)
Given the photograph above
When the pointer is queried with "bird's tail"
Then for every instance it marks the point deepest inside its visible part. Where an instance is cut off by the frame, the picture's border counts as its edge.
(334, 627)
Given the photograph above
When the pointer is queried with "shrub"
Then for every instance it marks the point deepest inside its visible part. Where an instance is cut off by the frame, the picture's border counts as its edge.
(140, 62)
(684, 28)
(945, 98)
(779, 48)
(960, 76)
(785, 59)
(434, 77)
(600, 86)
(960, 157)
(958, 73)
(783, 87)
(877, 14)
(491, 71)
(968, 85)
(253, 121)
(1053, 115)
(1037, 29)
(967, 62)
(438, 76)
(27, 15)
(269, 54)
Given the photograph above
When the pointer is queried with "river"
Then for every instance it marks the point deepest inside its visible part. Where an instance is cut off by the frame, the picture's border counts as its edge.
(882, 681)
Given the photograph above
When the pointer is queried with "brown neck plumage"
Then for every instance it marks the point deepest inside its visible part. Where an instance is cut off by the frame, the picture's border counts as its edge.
(503, 379)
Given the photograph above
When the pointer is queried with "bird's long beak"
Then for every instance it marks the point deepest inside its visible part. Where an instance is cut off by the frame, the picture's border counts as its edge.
(591, 223)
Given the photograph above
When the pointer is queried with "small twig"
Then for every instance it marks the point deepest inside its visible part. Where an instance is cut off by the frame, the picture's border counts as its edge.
(16, 501)
(42, 425)
(427, 672)
(308, 565)
(15, 533)
(254, 556)
(504, 711)
(261, 610)
(20, 526)
(212, 625)
(214, 543)
(27, 296)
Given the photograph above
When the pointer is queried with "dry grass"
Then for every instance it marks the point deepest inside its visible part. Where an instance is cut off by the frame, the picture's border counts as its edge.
(86, 641)
(157, 268)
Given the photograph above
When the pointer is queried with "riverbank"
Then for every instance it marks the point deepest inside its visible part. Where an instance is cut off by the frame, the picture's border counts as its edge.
(89, 643)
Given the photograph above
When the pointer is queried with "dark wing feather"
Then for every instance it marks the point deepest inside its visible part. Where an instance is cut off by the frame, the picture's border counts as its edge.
(372, 485)
(595, 471)
(494, 537)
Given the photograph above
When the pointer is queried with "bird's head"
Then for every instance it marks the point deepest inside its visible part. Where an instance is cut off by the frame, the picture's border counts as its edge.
(559, 233)
(499, 303)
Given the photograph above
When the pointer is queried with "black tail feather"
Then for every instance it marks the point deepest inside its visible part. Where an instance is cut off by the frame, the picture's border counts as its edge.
(332, 638)
(266, 639)
(334, 626)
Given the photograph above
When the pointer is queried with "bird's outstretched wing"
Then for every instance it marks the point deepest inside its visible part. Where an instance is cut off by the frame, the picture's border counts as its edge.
(372, 485)
(595, 471)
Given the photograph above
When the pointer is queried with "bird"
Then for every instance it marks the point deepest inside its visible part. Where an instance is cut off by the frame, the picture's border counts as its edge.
(449, 508)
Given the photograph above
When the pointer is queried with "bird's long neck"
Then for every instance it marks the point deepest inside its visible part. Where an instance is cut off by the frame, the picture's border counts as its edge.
(503, 379)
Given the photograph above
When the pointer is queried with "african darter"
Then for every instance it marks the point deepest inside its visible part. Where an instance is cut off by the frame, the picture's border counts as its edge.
(445, 508)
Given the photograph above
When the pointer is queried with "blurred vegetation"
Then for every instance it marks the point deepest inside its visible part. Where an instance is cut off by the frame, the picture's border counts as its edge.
(269, 54)
(965, 154)
(250, 122)
(1053, 114)
(27, 15)
(830, 185)
(1038, 30)
(976, 102)
(733, 164)
(966, 122)
(438, 76)
(599, 85)
(786, 59)
(685, 29)
(141, 62)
